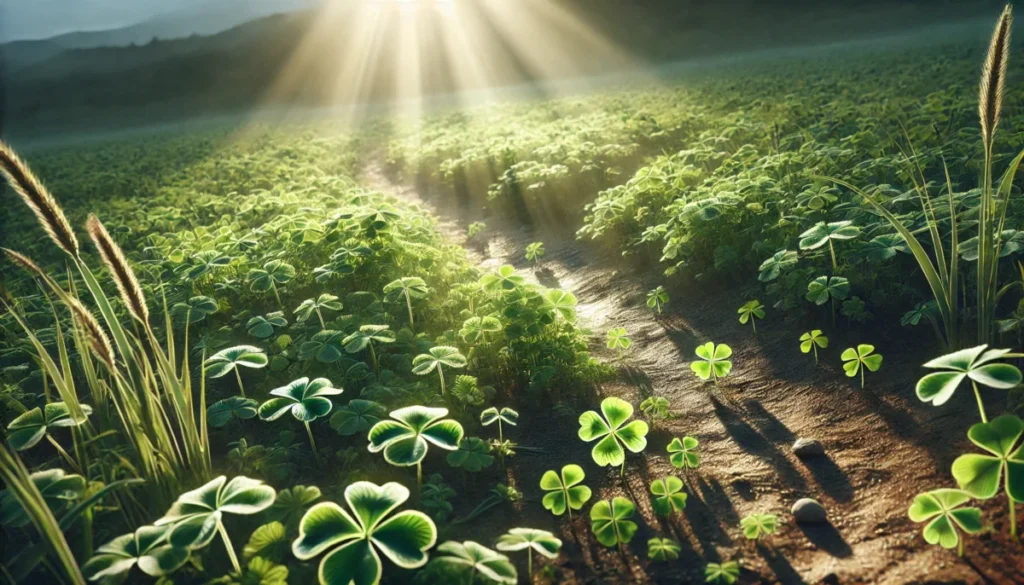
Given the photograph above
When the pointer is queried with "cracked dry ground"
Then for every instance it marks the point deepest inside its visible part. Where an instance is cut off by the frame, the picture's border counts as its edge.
(882, 445)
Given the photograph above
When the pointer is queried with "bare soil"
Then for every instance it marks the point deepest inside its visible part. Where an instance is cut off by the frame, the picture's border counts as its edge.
(882, 445)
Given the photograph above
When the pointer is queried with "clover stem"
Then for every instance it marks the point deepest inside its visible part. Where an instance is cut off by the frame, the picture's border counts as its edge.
(753, 323)
(419, 478)
(815, 348)
(273, 287)
(373, 357)
(408, 303)
(501, 439)
(227, 545)
(320, 316)
(472, 574)
(960, 547)
(1013, 516)
(529, 564)
(239, 378)
(832, 250)
(862, 376)
(312, 443)
(63, 453)
(440, 374)
(981, 405)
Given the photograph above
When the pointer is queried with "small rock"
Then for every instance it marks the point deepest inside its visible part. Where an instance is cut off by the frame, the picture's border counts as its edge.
(808, 511)
(808, 448)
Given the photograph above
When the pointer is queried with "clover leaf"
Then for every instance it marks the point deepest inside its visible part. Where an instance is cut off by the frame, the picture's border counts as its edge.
(613, 432)
(663, 549)
(757, 525)
(325, 302)
(609, 519)
(438, 358)
(860, 359)
(221, 412)
(404, 538)
(725, 573)
(262, 327)
(980, 474)
(472, 455)
(356, 416)
(229, 360)
(477, 559)
(566, 492)
(28, 428)
(683, 453)
(942, 510)
(669, 496)
(492, 415)
(657, 298)
(812, 340)
(751, 311)
(58, 489)
(405, 440)
(531, 540)
(146, 548)
(976, 364)
(715, 362)
(196, 516)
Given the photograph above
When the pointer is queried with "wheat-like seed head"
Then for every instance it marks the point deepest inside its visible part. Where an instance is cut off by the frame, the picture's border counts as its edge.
(993, 77)
(124, 276)
(98, 340)
(38, 199)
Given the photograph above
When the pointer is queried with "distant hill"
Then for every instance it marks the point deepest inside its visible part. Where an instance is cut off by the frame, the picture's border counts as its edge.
(54, 83)
(190, 19)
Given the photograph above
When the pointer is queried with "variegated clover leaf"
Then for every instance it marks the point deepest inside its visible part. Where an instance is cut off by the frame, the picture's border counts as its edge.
(262, 327)
(565, 490)
(147, 548)
(942, 510)
(669, 496)
(196, 517)
(610, 521)
(406, 289)
(31, 426)
(309, 307)
(438, 358)
(531, 540)
(976, 364)
(405, 440)
(58, 489)
(613, 432)
(365, 337)
(714, 362)
(355, 540)
(476, 559)
(231, 359)
(306, 400)
(492, 415)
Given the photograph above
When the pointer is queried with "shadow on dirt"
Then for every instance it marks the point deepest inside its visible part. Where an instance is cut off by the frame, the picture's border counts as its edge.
(827, 538)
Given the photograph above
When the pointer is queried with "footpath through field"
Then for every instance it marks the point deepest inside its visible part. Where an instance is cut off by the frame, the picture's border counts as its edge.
(882, 446)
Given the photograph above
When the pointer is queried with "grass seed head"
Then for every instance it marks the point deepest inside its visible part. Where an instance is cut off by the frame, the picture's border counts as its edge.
(117, 264)
(993, 76)
(38, 199)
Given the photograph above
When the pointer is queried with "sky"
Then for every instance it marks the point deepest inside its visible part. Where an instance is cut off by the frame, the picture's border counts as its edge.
(36, 19)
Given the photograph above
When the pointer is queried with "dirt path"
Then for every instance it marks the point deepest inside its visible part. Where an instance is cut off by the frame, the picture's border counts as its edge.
(882, 445)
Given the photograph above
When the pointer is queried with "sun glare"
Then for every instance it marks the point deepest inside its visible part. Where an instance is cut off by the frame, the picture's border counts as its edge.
(403, 52)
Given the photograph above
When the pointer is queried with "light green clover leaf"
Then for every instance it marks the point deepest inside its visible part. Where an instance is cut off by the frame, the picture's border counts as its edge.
(613, 432)
(714, 362)
(565, 492)
(669, 496)
(942, 510)
(609, 519)
(683, 453)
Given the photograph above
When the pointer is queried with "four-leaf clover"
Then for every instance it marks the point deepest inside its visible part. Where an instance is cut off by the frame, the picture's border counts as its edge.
(683, 453)
(668, 495)
(757, 525)
(613, 432)
(565, 491)
(610, 522)
(662, 549)
(715, 362)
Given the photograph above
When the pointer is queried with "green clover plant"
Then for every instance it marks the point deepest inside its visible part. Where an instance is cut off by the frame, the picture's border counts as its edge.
(613, 432)
(566, 492)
